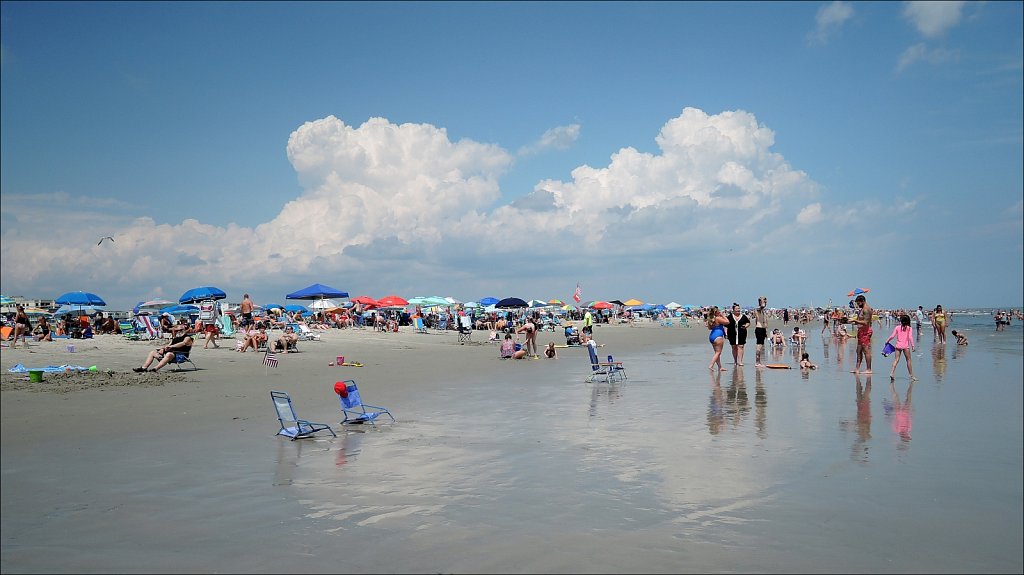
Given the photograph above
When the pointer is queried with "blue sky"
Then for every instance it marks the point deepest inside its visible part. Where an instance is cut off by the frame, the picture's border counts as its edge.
(698, 152)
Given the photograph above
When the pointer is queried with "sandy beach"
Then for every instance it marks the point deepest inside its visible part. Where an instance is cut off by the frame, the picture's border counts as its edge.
(500, 465)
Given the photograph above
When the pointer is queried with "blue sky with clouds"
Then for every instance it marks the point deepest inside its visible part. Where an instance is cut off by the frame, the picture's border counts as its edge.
(696, 152)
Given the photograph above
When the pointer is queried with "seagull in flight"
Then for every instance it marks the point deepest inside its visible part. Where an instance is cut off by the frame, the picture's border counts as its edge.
(104, 238)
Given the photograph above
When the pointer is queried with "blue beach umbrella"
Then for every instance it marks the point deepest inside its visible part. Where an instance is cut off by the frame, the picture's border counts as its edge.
(488, 301)
(75, 309)
(296, 307)
(81, 298)
(180, 309)
(273, 306)
(201, 293)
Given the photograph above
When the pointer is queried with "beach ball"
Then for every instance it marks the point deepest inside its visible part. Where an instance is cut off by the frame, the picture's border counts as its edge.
(341, 389)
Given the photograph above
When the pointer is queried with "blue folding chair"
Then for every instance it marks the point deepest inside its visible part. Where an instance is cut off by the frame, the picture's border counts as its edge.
(286, 414)
(352, 406)
(603, 370)
(181, 359)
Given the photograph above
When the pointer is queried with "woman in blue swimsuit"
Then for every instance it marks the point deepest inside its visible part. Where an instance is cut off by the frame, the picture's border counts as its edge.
(716, 323)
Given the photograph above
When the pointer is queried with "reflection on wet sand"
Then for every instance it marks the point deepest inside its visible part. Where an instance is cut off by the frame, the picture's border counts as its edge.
(862, 424)
(732, 405)
(900, 415)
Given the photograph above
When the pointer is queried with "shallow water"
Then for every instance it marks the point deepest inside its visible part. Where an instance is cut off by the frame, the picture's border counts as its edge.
(676, 469)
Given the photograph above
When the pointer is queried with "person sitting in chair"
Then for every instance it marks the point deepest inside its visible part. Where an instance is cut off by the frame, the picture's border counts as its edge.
(181, 343)
(255, 339)
(287, 339)
(571, 336)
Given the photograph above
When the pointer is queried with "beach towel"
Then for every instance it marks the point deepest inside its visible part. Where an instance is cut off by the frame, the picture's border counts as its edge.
(19, 368)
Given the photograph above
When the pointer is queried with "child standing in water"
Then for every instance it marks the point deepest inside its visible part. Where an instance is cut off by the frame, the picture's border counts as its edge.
(904, 336)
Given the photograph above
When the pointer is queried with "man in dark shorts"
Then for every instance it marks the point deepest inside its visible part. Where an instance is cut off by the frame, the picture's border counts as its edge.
(760, 328)
(864, 331)
(246, 310)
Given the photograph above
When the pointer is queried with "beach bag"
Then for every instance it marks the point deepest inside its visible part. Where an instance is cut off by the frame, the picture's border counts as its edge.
(207, 312)
(888, 349)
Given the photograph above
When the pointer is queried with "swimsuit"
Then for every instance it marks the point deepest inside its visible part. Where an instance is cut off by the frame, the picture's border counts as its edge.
(864, 335)
(716, 332)
(737, 330)
(761, 333)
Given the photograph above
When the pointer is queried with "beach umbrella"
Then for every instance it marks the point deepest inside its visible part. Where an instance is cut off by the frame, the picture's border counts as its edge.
(323, 304)
(672, 305)
(66, 309)
(201, 293)
(601, 305)
(393, 301)
(632, 302)
(157, 303)
(296, 307)
(556, 302)
(316, 291)
(180, 309)
(4, 300)
(365, 300)
(38, 312)
(273, 306)
(471, 304)
(488, 301)
(858, 291)
(81, 298)
(614, 301)
(511, 302)
(537, 303)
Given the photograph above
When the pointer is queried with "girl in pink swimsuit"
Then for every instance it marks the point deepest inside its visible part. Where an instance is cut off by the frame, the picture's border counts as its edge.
(904, 336)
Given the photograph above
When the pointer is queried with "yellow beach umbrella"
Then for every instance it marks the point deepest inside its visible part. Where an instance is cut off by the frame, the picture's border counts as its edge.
(631, 302)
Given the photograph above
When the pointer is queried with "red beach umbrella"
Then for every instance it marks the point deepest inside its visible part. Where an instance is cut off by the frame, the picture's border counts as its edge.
(392, 301)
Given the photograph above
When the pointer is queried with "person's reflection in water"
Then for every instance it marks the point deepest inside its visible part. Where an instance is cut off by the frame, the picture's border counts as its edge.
(716, 409)
(902, 416)
(736, 401)
(861, 426)
(939, 361)
(760, 406)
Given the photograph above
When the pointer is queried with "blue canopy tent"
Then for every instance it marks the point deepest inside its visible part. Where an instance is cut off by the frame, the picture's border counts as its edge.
(316, 291)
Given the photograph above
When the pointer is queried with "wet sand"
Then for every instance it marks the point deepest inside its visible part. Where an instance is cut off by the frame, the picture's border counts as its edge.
(514, 466)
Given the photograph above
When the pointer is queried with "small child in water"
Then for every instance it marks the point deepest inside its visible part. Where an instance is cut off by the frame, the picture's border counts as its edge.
(805, 362)
(550, 352)
(961, 339)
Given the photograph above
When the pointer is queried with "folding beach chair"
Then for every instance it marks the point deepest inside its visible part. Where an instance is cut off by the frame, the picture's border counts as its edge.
(465, 329)
(149, 328)
(180, 360)
(419, 327)
(603, 370)
(353, 408)
(286, 414)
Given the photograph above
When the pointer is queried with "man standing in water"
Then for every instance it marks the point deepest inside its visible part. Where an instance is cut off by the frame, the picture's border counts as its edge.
(760, 328)
(863, 321)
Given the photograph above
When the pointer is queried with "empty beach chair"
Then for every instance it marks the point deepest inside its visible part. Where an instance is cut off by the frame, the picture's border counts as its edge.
(606, 371)
(291, 425)
(352, 406)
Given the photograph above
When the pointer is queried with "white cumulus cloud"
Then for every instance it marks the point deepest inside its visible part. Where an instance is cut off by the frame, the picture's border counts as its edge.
(934, 18)
(400, 206)
(830, 19)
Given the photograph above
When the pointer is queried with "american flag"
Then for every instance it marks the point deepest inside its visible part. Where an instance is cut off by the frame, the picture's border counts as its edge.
(270, 360)
(577, 295)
